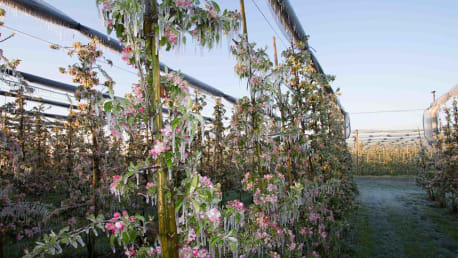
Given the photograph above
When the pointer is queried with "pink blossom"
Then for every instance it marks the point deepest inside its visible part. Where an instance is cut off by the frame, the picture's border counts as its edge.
(108, 226)
(116, 215)
(151, 252)
(115, 183)
(149, 184)
(213, 215)
(237, 205)
(130, 252)
(127, 54)
(271, 187)
(203, 180)
(119, 225)
(191, 235)
(141, 109)
(124, 213)
(159, 148)
(171, 36)
(167, 130)
(184, 3)
(106, 4)
(116, 134)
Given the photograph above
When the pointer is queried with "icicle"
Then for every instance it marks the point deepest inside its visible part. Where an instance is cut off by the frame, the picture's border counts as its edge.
(236, 251)
(135, 27)
(212, 251)
(173, 140)
(182, 151)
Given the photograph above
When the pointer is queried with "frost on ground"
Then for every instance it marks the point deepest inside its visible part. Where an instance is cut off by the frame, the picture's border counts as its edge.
(396, 220)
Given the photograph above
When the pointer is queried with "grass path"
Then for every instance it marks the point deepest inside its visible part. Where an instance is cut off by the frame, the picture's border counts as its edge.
(395, 220)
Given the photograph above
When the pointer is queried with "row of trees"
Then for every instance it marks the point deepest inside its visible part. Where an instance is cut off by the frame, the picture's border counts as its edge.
(283, 152)
(386, 159)
(438, 173)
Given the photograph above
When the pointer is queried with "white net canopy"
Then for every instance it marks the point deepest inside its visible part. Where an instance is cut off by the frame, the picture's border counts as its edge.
(431, 114)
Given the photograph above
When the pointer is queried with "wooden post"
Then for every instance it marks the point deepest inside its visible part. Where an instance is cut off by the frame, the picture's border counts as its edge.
(242, 11)
(275, 55)
(165, 204)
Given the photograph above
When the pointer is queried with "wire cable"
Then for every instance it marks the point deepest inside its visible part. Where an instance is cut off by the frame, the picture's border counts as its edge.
(270, 25)
(33, 36)
(62, 47)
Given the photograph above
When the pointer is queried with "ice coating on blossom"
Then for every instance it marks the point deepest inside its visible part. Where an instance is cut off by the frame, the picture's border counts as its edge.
(127, 54)
(159, 147)
(213, 215)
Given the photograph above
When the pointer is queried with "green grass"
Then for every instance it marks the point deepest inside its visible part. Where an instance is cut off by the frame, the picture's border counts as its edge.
(396, 220)
(419, 237)
(361, 240)
(445, 221)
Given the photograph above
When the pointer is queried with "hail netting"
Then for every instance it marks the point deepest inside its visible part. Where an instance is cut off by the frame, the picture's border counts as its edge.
(430, 116)
(45, 11)
(287, 17)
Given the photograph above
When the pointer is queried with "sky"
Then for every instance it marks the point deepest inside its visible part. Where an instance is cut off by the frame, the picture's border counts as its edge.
(386, 55)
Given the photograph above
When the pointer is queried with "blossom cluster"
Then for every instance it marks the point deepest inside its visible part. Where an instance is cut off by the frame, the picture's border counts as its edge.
(236, 204)
(116, 224)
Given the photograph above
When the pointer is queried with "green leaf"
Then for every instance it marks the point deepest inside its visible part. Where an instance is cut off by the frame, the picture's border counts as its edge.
(125, 237)
(108, 106)
(132, 235)
(175, 123)
(112, 240)
(214, 240)
(216, 6)
(179, 204)
(163, 41)
(196, 206)
(169, 157)
(194, 183)
(65, 229)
